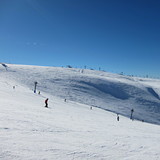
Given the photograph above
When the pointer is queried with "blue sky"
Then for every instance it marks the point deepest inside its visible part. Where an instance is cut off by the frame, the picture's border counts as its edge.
(116, 35)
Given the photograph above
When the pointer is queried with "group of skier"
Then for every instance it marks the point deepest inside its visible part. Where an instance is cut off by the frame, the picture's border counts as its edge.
(46, 105)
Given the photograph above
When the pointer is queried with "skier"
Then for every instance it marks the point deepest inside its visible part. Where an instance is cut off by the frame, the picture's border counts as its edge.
(117, 117)
(46, 103)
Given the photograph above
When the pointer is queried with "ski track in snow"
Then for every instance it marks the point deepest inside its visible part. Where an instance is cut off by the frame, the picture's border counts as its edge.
(68, 130)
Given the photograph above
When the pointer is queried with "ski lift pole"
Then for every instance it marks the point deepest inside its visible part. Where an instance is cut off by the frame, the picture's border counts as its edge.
(35, 86)
(132, 110)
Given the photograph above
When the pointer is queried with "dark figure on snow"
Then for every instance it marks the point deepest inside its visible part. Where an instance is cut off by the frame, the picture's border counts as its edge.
(117, 117)
(65, 100)
(46, 103)
(132, 110)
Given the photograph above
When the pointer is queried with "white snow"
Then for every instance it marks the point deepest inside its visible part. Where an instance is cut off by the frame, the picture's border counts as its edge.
(70, 130)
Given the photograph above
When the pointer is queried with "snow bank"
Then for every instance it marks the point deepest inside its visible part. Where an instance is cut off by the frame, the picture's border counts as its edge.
(112, 92)
(70, 130)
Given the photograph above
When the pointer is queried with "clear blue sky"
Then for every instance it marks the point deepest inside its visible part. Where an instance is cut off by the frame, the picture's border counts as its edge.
(116, 35)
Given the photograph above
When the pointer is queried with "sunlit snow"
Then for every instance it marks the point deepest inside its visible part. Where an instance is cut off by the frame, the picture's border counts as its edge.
(71, 130)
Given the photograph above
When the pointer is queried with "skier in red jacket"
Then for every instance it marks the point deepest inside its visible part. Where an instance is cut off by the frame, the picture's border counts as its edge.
(46, 103)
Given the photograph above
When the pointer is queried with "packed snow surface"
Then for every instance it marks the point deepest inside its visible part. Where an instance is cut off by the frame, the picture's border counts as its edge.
(71, 130)
(112, 92)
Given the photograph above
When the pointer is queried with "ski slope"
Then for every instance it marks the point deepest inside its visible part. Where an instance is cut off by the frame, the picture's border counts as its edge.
(112, 92)
(68, 130)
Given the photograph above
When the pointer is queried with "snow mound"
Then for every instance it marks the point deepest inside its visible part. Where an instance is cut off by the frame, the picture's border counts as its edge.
(112, 92)
(71, 130)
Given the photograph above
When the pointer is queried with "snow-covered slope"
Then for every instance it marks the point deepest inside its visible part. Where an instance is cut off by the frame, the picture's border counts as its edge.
(112, 92)
(68, 130)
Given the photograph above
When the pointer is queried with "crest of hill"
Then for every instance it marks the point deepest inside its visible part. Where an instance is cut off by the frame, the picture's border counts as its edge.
(112, 92)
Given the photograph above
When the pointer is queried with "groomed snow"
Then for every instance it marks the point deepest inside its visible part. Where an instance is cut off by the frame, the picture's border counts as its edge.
(112, 92)
(66, 130)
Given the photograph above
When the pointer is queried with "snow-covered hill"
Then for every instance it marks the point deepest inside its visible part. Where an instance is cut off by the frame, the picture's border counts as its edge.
(115, 93)
(70, 130)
